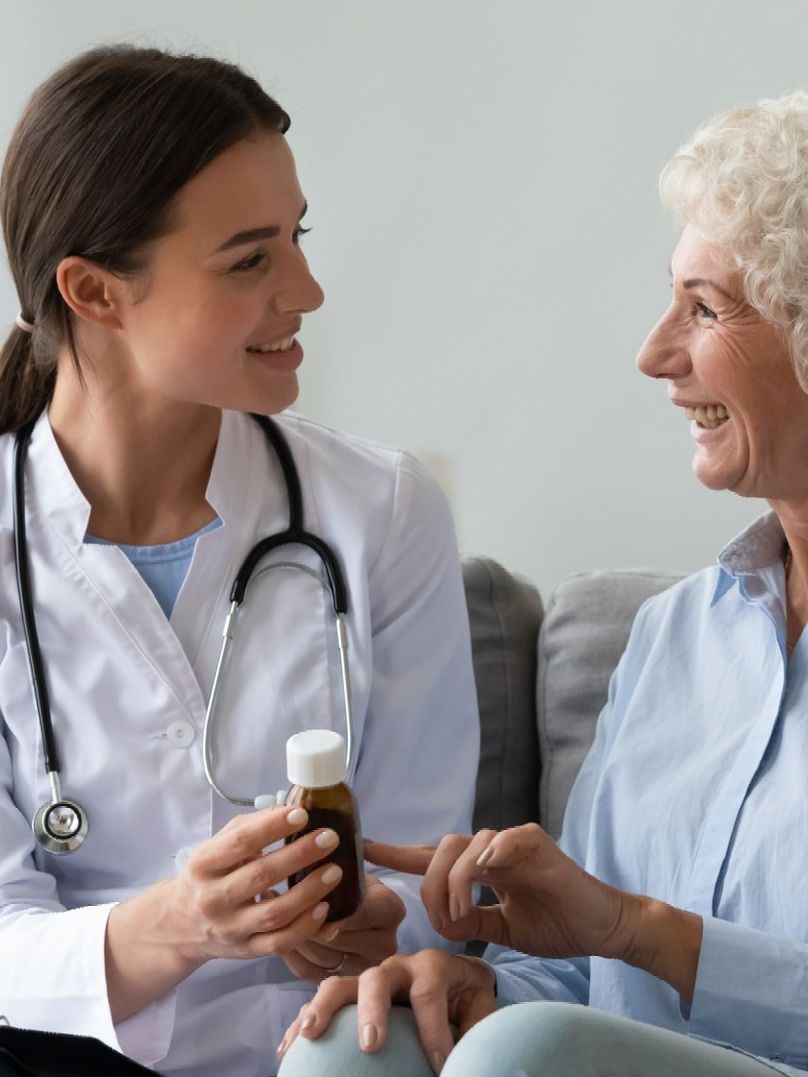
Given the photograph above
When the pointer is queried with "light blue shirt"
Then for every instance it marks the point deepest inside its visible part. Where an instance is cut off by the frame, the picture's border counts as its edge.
(165, 567)
(695, 792)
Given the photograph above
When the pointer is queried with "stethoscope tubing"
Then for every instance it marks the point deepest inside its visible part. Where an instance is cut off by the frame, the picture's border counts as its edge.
(59, 808)
(23, 576)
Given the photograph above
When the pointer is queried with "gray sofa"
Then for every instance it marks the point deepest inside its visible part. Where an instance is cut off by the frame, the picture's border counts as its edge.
(542, 678)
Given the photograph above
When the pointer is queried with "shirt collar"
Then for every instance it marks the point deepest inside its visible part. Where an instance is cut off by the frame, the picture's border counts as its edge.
(757, 548)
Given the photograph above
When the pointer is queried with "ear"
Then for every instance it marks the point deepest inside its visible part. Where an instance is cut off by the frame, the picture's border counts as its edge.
(92, 292)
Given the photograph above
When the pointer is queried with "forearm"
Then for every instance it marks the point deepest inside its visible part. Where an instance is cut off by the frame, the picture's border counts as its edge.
(144, 959)
(664, 941)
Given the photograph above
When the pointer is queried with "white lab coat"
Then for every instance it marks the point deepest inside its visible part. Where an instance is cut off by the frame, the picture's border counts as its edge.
(128, 690)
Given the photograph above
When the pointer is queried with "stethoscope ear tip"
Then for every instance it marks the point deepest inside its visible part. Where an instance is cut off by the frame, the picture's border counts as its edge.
(270, 800)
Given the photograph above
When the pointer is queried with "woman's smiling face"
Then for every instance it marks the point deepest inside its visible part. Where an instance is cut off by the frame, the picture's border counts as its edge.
(226, 288)
(717, 351)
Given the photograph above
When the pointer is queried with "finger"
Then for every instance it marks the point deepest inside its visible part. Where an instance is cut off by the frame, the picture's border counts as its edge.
(510, 846)
(381, 909)
(373, 945)
(464, 872)
(435, 887)
(411, 859)
(429, 999)
(324, 958)
(315, 1017)
(303, 909)
(245, 837)
(377, 987)
(303, 969)
(478, 1001)
(262, 872)
(278, 942)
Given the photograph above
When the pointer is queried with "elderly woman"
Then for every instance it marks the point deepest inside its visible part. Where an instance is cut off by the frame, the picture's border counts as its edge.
(673, 914)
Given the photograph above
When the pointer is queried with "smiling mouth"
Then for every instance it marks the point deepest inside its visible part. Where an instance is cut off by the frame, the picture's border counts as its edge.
(709, 417)
(280, 346)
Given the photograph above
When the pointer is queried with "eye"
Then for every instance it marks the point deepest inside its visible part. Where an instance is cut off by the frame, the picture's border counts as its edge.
(705, 311)
(251, 262)
(300, 231)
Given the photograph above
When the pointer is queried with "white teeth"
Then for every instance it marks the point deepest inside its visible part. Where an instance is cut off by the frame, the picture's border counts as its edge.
(281, 346)
(711, 415)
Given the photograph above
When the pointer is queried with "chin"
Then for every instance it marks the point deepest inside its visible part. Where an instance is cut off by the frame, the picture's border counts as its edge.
(271, 403)
(728, 473)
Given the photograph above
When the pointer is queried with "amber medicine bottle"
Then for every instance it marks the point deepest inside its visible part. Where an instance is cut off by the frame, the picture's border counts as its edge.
(317, 769)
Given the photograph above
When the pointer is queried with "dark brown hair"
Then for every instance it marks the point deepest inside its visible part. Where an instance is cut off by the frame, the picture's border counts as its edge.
(92, 169)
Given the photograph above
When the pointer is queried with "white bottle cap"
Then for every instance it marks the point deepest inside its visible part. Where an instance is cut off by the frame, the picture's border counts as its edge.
(316, 759)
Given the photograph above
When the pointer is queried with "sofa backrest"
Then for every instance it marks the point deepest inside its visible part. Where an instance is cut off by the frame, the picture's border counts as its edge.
(504, 617)
(584, 632)
(542, 680)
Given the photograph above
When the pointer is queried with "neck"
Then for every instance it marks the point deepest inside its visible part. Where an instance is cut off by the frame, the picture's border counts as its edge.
(793, 517)
(142, 460)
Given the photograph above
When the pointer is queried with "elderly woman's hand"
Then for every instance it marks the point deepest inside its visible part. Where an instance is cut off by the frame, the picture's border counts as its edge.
(548, 905)
(448, 994)
(356, 943)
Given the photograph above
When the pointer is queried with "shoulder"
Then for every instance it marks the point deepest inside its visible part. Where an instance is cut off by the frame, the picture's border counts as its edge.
(669, 624)
(687, 598)
(321, 446)
(369, 473)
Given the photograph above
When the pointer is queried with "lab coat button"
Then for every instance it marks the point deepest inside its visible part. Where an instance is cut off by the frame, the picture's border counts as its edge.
(181, 734)
(182, 856)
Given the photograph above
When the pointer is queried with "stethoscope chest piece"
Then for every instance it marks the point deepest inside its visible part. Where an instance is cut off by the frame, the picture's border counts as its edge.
(60, 826)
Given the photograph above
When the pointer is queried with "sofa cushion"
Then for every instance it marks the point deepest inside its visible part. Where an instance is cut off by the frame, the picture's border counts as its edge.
(504, 617)
(584, 632)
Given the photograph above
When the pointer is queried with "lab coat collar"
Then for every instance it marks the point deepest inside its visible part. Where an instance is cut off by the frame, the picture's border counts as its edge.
(225, 495)
(52, 489)
(50, 486)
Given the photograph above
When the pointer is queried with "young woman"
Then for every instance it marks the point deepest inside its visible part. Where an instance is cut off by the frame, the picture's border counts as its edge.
(152, 216)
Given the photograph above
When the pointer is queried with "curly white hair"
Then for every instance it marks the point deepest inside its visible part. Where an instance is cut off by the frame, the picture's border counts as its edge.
(742, 182)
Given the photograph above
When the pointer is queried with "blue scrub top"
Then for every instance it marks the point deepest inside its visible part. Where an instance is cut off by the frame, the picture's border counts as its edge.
(165, 567)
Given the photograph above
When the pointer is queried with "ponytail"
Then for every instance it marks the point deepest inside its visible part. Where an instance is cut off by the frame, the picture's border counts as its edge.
(26, 384)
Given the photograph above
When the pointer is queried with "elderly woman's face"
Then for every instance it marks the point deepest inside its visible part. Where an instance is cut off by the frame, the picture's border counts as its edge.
(729, 371)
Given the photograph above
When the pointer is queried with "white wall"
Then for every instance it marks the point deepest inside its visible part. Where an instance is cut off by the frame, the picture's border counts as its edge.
(482, 180)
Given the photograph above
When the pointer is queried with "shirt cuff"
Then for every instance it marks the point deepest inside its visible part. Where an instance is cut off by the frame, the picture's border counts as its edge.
(146, 1036)
(752, 991)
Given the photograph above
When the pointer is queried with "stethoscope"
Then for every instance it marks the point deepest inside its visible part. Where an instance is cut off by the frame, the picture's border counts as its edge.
(60, 825)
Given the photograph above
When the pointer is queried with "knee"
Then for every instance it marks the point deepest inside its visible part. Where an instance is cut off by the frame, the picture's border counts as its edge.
(337, 1052)
(554, 1039)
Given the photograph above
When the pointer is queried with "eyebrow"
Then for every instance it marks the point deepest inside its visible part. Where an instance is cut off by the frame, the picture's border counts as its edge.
(250, 235)
(704, 282)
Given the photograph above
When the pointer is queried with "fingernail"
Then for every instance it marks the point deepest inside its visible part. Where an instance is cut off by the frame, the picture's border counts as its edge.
(309, 1021)
(327, 839)
(437, 1061)
(369, 1036)
(454, 908)
(328, 936)
(297, 817)
(281, 1047)
(484, 857)
(319, 912)
(332, 874)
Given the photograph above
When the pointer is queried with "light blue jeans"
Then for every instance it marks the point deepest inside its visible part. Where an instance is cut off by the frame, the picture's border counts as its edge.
(535, 1039)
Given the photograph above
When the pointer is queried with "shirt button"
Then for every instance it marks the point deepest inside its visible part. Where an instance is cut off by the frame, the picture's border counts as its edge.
(182, 856)
(181, 734)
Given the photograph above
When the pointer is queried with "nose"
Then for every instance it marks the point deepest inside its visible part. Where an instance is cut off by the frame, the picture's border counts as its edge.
(664, 353)
(297, 289)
